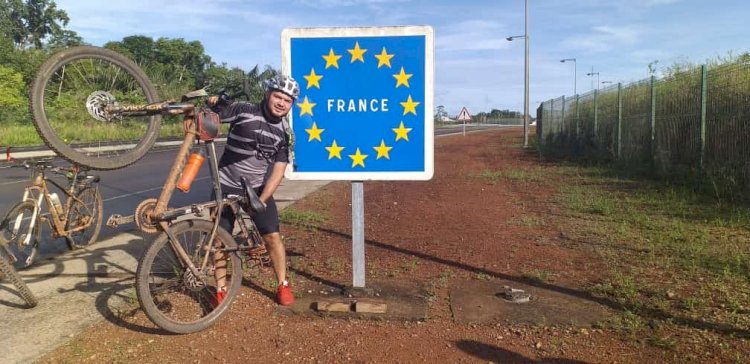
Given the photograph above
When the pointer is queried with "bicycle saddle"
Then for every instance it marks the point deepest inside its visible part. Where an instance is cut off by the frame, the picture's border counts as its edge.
(251, 198)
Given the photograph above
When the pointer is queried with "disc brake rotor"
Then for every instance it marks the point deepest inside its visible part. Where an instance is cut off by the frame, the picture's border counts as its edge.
(96, 105)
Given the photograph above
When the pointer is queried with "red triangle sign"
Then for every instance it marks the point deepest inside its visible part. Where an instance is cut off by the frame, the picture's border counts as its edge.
(464, 115)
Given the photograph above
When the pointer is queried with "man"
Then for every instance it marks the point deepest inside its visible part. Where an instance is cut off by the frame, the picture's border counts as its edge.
(258, 149)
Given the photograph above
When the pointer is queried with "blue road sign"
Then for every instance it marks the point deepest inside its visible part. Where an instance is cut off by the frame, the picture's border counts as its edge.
(365, 110)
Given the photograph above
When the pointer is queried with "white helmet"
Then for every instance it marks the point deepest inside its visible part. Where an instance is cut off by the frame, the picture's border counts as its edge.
(283, 83)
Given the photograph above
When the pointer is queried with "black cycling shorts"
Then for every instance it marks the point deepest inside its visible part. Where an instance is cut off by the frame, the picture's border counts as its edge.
(267, 222)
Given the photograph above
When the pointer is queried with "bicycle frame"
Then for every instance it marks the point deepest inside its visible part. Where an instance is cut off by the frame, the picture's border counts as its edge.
(42, 195)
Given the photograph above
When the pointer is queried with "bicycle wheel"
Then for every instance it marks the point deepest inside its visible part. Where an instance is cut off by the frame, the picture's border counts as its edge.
(86, 213)
(18, 236)
(10, 273)
(68, 99)
(170, 295)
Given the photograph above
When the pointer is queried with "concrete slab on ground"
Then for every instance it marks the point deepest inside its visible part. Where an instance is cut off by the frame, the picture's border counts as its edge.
(405, 300)
(475, 301)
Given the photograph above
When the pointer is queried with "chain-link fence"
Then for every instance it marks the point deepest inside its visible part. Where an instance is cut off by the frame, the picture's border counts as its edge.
(692, 123)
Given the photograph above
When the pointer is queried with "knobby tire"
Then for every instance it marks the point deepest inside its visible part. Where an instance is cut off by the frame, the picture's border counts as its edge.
(161, 285)
(53, 70)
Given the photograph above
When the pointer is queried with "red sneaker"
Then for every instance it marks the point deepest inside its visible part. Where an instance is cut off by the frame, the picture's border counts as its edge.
(220, 294)
(284, 295)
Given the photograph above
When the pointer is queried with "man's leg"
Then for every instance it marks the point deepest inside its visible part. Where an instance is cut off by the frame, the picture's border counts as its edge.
(268, 225)
(278, 255)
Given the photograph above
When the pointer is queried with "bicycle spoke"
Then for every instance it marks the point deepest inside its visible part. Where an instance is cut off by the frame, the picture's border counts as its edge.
(171, 294)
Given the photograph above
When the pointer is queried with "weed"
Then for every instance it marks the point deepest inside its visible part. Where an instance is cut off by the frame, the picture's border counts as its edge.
(410, 266)
(663, 342)
(539, 276)
(334, 265)
(306, 219)
(483, 277)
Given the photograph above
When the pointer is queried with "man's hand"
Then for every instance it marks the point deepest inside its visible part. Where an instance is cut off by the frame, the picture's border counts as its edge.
(213, 100)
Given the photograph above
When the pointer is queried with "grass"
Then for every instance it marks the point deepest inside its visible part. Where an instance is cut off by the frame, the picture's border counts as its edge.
(512, 174)
(306, 219)
(19, 136)
(674, 256)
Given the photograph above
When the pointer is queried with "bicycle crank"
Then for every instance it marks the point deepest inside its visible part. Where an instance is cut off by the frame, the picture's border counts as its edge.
(142, 216)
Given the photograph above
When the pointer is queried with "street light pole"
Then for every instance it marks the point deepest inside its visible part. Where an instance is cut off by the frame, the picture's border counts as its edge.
(597, 78)
(525, 36)
(575, 72)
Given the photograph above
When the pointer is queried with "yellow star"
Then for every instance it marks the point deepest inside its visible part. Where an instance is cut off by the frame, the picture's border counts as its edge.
(314, 132)
(402, 132)
(402, 78)
(313, 79)
(358, 159)
(334, 150)
(409, 106)
(384, 58)
(305, 107)
(382, 150)
(332, 59)
(357, 53)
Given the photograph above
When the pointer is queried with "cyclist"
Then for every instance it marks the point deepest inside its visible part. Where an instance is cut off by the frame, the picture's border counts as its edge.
(257, 148)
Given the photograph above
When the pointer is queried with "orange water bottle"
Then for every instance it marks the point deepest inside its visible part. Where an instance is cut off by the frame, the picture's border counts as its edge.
(191, 170)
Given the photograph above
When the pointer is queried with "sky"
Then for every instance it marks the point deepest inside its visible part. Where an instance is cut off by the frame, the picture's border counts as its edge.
(475, 66)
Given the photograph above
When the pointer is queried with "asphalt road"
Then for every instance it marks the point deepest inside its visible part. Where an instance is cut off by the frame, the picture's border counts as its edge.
(123, 189)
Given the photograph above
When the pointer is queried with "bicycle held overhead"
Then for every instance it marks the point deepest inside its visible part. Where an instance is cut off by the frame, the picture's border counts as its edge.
(192, 270)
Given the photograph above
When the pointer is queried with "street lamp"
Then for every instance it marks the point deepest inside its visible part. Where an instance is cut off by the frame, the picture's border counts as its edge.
(525, 37)
(606, 82)
(575, 72)
(597, 78)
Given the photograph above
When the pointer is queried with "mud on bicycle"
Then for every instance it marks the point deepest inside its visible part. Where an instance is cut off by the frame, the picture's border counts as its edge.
(177, 277)
(77, 218)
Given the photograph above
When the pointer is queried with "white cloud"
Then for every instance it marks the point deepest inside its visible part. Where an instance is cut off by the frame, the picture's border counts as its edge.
(604, 38)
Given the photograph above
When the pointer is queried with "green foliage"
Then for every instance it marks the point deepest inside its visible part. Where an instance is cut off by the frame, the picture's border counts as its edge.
(30, 22)
(11, 89)
(615, 125)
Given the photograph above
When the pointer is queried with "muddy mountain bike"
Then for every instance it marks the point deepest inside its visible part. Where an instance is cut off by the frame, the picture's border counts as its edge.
(180, 271)
(76, 217)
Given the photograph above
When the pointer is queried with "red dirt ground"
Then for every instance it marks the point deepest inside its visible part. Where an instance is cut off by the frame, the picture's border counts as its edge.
(463, 224)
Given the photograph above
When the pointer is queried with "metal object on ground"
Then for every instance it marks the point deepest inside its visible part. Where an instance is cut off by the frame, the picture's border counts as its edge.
(514, 295)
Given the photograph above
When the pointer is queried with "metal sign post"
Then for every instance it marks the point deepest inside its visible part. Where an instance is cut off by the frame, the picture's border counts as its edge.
(365, 110)
(465, 117)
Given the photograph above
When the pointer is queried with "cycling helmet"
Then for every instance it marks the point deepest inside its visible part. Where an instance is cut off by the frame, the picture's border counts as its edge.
(283, 83)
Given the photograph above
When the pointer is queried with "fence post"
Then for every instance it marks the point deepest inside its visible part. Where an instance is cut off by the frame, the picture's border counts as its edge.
(653, 120)
(562, 115)
(578, 120)
(619, 120)
(704, 94)
(596, 112)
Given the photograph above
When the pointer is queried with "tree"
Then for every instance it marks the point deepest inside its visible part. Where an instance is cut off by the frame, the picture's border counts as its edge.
(30, 22)
(64, 39)
(440, 114)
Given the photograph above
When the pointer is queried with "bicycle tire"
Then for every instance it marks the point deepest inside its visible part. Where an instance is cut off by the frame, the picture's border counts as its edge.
(10, 273)
(14, 228)
(57, 98)
(163, 282)
(91, 210)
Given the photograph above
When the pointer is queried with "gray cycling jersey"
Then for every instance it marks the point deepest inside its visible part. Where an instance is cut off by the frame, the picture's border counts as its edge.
(255, 142)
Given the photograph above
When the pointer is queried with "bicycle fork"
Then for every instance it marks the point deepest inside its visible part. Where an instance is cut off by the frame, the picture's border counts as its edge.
(187, 262)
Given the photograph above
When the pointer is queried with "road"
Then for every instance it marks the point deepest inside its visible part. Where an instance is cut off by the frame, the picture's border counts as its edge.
(123, 189)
